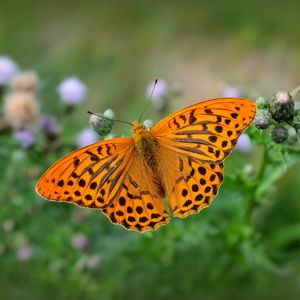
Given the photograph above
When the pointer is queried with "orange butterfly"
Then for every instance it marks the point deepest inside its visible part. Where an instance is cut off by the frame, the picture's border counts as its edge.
(180, 158)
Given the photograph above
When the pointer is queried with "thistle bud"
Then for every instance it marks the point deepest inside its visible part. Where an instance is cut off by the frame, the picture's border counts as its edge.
(102, 123)
(262, 119)
(282, 107)
(262, 103)
(279, 134)
(148, 123)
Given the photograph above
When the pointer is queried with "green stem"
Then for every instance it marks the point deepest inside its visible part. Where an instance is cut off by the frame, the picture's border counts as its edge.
(251, 203)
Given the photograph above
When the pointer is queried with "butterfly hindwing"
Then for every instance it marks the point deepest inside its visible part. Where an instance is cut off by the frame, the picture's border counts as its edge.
(190, 185)
(139, 205)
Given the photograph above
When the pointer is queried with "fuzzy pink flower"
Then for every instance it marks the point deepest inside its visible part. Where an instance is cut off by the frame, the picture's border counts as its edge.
(79, 241)
(8, 68)
(72, 91)
(244, 144)
(230, 91)
(25, 137)
(25, 252)
(86, 137)
(160, 93)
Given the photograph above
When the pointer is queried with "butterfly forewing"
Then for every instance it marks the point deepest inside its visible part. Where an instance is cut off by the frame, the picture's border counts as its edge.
(208, 131)
(90, 176)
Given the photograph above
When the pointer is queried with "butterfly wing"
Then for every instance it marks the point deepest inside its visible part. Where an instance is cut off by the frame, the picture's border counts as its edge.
(195, 141)
(208, 130)
(108, 175)
(140, 204)
(89, 177)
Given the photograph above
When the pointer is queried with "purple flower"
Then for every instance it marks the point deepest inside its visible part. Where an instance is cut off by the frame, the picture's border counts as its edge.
(25, 137)
(25, 252)
(8, 68)
(79, 241)
(244, 144)
(86, 137)
(160, 93)
(72, 91)
(50, 126)
(230, 91)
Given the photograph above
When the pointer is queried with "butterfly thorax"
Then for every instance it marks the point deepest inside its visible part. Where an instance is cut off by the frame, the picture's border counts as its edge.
(144, 143)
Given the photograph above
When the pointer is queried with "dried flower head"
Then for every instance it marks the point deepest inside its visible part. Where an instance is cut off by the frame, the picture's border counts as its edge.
(21, 111)
(8, 68)
(282, 107)
(25, 82)
(72, 91)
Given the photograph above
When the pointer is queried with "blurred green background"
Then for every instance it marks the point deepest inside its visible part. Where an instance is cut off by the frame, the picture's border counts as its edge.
(116, 48)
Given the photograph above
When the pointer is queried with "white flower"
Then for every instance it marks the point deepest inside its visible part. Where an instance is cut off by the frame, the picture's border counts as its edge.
(244, 144)
(8, 68)
(86, 137)
(160, 93)
(72, 91)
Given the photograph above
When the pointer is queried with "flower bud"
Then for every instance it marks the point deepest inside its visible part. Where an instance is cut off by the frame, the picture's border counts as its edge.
(148, 123)
(262, 119)
(262, 103)
(102, 125)
(279, 134)
(282, 107)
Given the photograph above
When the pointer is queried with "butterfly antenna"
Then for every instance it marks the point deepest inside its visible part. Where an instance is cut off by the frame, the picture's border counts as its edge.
(103, 117)
(154, 85)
